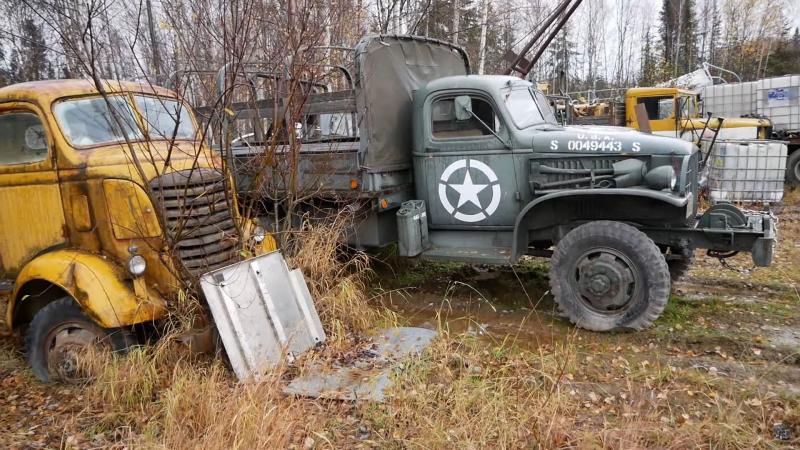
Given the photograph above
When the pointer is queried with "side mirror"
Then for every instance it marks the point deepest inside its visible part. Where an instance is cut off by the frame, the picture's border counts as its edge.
(463, 105)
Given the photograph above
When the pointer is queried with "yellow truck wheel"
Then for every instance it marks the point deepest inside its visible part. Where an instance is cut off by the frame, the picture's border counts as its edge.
(60, 334)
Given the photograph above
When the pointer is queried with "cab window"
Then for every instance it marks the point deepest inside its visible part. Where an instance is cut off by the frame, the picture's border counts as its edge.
(446, 126)
(88, 121)
(165, 118)
(23, 138)
(661, 107)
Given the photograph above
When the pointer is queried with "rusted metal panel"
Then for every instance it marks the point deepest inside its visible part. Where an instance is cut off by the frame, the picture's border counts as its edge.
(130, 210)
(31, 220)
(368, 376)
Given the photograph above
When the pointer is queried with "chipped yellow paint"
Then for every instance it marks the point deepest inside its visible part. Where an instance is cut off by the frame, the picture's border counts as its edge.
(73, 218)
(268, 245)
(96, 283)
(31, 220)
(81, 217)
(130, 210)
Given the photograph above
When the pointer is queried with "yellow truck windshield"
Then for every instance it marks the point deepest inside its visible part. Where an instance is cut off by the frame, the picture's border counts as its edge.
(88, 122)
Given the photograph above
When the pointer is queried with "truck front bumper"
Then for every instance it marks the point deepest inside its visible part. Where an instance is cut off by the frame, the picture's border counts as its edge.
(724, 230)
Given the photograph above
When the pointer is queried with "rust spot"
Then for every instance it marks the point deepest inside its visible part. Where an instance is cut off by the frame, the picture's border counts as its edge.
(80, 295)
(69, 282)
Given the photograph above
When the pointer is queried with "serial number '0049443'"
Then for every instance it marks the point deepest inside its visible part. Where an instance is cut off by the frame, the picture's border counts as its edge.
(594, 145)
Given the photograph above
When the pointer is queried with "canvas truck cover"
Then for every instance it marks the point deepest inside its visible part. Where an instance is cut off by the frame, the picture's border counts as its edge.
(389, 69)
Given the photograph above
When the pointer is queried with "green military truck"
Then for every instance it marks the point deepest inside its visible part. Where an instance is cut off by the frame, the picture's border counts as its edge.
(461, 167)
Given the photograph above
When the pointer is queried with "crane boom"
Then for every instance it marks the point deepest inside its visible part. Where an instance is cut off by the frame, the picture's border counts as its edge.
(519, 63)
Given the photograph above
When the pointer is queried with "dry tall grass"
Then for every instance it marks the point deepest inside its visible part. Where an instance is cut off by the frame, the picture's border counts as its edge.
(464, 392)
(336, 278)
(164, 396)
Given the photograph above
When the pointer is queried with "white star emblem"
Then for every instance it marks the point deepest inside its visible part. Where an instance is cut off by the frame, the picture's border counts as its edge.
(468, 191)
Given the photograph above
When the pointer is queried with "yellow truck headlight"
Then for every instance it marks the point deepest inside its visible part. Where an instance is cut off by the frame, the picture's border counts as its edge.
(259, 234)
(137, 265)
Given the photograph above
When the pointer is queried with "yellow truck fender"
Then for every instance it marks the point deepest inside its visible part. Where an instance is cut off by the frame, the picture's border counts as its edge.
(102, 288)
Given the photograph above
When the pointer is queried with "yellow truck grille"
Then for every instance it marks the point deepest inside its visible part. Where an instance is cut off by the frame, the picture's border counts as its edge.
(198, 217)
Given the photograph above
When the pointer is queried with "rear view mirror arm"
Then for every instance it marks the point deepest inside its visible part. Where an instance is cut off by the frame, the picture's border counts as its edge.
(488, 128)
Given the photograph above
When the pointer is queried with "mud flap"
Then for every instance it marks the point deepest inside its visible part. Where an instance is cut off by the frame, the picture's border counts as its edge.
(764, 247)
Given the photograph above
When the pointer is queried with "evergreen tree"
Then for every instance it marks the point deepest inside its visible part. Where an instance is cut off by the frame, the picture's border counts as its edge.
(561, 61)
(786, 57)
(649, 62)
(33, 64)
(678, 35)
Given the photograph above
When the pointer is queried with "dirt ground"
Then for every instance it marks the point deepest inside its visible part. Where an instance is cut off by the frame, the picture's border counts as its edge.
(720, 368)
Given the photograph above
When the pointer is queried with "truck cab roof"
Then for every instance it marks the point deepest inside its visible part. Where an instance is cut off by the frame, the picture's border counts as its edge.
(490, 83)
(48, 91)
(650, 91)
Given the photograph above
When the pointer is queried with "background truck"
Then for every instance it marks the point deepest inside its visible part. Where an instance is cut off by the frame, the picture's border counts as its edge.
(461, 167)
(777, 99)
(673, 112)
(110, 205)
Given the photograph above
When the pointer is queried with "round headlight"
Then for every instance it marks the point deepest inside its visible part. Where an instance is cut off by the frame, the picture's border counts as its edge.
(661, 177)
(259, 234)
(136, 265)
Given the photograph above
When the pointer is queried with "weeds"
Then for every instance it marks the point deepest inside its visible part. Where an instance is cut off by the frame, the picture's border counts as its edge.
(468, 390)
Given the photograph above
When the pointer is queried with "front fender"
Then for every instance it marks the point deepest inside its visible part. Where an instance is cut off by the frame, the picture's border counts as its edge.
(100, 286)
(624, 205)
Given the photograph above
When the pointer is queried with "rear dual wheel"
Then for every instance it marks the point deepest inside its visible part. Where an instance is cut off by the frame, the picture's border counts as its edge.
(608, 275)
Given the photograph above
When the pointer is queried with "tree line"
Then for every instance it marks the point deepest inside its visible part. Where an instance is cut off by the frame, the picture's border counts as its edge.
(607, 44)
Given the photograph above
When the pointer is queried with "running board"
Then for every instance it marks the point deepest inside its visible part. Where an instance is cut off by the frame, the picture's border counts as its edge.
(485, 255)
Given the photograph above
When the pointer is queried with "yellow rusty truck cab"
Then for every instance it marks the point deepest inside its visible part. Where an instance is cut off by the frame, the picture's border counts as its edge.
(105, 204)
(677, 113)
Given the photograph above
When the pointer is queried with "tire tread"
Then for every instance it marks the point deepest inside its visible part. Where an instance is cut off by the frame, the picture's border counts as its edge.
(659, 281)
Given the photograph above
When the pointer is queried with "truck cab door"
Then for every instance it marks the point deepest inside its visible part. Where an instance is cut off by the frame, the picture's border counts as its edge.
(467, 173)
(31, 212)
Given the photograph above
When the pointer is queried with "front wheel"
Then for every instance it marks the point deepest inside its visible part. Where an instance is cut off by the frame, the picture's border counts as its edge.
(608, 275)
(60, 334)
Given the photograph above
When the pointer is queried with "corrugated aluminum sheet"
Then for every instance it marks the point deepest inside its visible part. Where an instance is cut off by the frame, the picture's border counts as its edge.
(263, 312)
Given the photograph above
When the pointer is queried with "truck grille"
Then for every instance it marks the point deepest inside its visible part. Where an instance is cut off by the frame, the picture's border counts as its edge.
(198, 217)
(540, 178)
(691, 183)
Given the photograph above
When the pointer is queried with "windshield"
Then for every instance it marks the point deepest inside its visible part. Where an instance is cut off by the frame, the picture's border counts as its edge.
(88, 121)
(528, 107)
(165, 118)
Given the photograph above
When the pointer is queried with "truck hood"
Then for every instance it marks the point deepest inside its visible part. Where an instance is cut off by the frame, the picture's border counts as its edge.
(118, 160)
(153, 153)
(607, 140)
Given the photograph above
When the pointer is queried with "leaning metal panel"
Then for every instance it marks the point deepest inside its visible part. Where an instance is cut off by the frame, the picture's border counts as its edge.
(263, 312)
